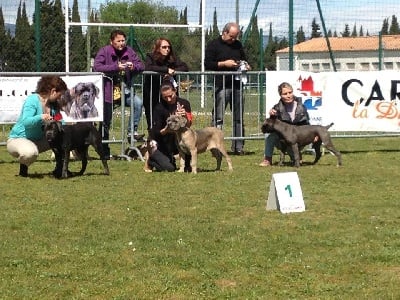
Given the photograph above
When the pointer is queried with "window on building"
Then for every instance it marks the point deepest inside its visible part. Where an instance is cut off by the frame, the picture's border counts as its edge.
(326, 66)
(337, 66)
(315, 67)
(305, 67)
(388, 66)
(364, 66)
(351, 66)
(398, 66)
(375, 66)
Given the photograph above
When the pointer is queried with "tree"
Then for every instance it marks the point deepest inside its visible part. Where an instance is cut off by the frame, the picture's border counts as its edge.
(253, 45)
(94, 33)
(354, 32)
(77, 43)
(315, 29)
(300, 35)
(144, 12)
(385, 27)
(346, 32)
(269, 52)
(21, 56)
(53, 36)
(394, 26)
(361, 31)
(214, 30)
(5, 40)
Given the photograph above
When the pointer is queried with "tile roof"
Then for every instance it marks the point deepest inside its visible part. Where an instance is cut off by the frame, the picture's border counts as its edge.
(364, 43)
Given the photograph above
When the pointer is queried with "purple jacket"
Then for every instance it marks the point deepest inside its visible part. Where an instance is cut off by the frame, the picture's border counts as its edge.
(106, 61)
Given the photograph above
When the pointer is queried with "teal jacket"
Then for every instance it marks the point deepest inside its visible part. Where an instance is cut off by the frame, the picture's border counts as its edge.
(29, 123)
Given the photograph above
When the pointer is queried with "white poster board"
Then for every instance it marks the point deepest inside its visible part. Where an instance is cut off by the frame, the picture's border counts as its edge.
(86, 101)
(353, 101)
(285, 193)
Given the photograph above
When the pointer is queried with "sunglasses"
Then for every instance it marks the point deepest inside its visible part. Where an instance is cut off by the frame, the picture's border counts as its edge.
(165, 47)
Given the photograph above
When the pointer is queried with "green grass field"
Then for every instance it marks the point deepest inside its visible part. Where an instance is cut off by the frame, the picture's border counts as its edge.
(136, 235)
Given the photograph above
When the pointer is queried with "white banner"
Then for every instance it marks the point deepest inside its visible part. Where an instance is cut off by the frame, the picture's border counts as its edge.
(85, 101)
(353, 101)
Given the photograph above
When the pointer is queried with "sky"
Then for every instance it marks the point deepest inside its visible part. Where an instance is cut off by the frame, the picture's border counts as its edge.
(336, 13)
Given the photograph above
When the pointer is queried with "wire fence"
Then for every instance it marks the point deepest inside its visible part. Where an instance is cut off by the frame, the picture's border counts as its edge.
(266, 27)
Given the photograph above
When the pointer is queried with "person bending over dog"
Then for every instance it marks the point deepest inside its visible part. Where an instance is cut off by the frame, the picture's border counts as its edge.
(26, 139)
(162, 158)
(289, 109)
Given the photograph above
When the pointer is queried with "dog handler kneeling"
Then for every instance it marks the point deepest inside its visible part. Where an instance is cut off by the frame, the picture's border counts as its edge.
(162, 155)
(289, 109)
(26, 139)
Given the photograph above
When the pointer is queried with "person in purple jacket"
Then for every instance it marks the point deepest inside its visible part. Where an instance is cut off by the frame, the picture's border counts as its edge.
(118, 62)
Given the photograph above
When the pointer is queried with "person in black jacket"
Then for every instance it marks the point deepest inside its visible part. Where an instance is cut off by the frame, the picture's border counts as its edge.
(163, 61)
(226, 53)
(289, 109)
(163, 159)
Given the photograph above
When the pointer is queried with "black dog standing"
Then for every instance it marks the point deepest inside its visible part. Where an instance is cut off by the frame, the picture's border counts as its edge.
(65, 138)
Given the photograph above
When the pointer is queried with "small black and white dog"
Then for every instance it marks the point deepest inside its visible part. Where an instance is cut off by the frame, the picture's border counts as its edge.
(65, 138)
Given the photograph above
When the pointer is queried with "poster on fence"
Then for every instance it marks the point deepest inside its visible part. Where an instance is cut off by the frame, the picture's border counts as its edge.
(83, 102)
(353, 101)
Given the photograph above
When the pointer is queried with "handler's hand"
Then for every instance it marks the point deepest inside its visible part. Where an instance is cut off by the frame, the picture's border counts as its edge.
(47, 117)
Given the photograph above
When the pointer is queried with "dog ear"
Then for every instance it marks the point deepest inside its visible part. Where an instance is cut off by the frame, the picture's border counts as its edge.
(96, 90)
(77, 89)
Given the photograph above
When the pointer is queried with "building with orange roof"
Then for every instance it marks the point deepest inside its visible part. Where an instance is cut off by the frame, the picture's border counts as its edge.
(350, 54)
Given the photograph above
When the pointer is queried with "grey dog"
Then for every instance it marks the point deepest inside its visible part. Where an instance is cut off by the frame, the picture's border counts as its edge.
(78, 137)
(197, 141)
(300, 136)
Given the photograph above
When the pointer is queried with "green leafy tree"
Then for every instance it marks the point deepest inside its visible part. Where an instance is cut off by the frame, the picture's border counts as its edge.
(77, 43)
(21, 54)
(53, 36)
(361, 31)
(315, 29)
(143, 12)
(330, 33)
(394, 26)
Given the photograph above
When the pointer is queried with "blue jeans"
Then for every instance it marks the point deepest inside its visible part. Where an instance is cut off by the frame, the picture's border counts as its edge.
(271, 140)
(233, 98)
(137, 111)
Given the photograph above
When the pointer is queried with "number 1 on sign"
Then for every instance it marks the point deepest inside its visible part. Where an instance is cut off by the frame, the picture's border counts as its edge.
(289, 189)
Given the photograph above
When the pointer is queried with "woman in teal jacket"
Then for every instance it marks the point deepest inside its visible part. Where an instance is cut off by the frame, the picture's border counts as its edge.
(26, 139)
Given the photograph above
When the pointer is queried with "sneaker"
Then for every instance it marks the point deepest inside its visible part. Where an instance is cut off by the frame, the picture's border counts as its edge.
(265, 163)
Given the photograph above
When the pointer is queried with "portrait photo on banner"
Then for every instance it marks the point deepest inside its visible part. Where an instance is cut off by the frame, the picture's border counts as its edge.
(83, 102)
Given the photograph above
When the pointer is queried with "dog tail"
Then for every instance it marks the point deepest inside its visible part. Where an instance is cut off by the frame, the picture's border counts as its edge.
(329, 126)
